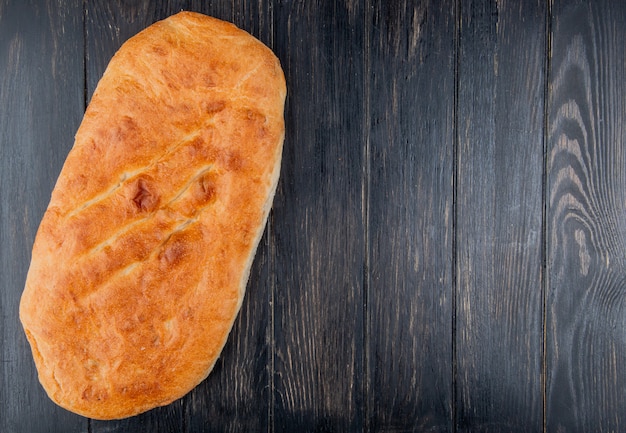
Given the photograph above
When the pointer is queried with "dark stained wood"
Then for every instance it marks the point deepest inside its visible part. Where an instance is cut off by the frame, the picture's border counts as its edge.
(41, 63)
(317, 231)
(586, 345)
(446, 250)
(499, 305)
(409, 216)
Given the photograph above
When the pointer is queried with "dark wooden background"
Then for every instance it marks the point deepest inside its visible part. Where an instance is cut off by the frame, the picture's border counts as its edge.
(447, 248)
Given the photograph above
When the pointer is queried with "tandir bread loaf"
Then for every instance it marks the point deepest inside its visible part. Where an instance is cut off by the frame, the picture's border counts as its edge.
(142, 257)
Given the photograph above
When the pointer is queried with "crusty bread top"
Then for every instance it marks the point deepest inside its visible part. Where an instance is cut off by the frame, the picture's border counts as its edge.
(141, 260)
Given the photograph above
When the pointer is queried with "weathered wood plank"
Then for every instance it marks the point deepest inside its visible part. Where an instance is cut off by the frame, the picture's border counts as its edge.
(41, 100)
(499, 302)
(411, 92)
(349, 319)
(586, 307)
(318, 240)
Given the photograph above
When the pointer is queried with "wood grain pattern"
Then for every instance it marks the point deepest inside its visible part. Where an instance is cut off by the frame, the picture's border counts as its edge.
(433, 206)
(586, 344)
(318, 235)
(410, 192)
(40, 63)
(499, 232)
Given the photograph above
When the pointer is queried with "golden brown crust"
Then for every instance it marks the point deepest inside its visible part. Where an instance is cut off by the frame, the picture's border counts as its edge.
(140, 263)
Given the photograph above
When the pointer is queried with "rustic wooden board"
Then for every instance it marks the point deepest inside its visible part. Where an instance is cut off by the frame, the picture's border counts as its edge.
(499, 304)
(317, 234)
(41, 62)
(410, 151)
(446, 250)
(586, 344)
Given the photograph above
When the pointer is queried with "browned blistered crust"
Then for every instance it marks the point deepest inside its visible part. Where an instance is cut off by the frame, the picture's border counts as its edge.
(141, 260)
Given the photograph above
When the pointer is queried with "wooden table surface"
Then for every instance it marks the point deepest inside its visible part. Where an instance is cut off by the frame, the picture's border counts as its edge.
(447, 247)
